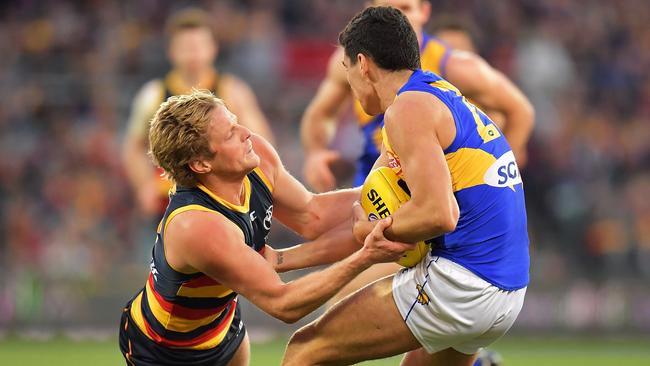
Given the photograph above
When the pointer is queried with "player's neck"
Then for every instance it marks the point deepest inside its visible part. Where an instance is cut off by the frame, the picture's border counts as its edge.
(201, 79)
(230, 189)
(389, 84)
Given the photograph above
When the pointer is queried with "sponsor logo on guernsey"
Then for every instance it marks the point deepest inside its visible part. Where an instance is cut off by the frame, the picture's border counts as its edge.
(268, 217)
(503, 172)
(394, 163)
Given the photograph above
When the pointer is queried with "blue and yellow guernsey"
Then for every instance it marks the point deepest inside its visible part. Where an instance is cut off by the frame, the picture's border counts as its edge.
(491, 237)
(433, 57)
(191, 310)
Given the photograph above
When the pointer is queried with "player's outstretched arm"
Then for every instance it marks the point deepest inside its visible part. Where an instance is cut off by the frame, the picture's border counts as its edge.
(209, 243)
(243, 103)
(328, 248)
(308, 214)
(415, 124)
(319, 122)
(489, 88)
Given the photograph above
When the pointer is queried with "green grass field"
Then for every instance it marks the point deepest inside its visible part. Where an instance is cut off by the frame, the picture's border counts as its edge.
(515, 350)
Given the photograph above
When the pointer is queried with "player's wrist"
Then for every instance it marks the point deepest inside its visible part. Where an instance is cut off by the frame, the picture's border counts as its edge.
(361, 259)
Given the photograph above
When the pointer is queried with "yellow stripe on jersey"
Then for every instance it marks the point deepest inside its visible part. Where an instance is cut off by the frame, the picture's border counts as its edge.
(211, 343)
(445, 86)
(377, 138)
(175, 323)
(136, 315)
(468, 166)
(204, 291)
(262, 176)
(432, 55)
(362, 117)
(488, 132)
(239, 208)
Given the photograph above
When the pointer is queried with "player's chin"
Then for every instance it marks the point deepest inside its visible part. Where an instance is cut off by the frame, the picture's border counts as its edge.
(252, 159)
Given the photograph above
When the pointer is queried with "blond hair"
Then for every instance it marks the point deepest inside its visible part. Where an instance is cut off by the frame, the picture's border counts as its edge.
(178, 134)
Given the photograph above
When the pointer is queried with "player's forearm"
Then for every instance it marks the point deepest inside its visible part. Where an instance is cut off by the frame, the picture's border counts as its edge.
(317, 129)
(330, 247)
(310, 292)
(137, 165)
(519, 125)
(413, 222)
(327, 210)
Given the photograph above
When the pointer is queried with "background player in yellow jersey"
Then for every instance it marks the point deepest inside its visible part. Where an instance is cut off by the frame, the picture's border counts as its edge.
(471, 74)
(211, 243)
(466, 198)
(455, 33)
(192, 50)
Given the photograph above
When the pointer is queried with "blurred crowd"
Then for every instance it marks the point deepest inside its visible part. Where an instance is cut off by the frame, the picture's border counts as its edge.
(69, 230)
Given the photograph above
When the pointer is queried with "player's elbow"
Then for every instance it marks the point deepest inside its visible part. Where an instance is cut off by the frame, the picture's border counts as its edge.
(309, 119)
(444, 221)
(527, 112)
(450, 220)
(312, 224)
(441, 224)
(289, 318)
(285, 313)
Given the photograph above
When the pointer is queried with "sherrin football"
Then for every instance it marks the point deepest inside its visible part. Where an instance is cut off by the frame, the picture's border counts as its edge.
(382, 193)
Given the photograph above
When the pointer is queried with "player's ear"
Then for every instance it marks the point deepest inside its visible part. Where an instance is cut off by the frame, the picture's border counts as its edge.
(364, 65)
(200, 166)
(425, 11)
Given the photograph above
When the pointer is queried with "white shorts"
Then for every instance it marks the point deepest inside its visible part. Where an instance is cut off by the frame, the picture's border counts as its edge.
(446, 305)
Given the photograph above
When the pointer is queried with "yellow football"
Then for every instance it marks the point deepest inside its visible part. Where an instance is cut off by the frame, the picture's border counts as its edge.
(382, 193)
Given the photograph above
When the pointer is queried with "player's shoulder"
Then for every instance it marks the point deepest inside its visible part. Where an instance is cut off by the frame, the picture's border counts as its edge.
(233, 84)
(152, 86)
(415, 108)
(151, 92)
(463, 67)
(190, 224)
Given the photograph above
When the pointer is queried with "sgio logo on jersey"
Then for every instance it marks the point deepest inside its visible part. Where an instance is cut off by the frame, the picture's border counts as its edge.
(503, 172)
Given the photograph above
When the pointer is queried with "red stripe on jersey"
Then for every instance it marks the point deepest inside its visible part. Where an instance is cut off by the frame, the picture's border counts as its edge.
(182, 311)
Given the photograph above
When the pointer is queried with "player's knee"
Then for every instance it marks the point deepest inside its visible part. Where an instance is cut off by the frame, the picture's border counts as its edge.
(303, 347)
(303, 336)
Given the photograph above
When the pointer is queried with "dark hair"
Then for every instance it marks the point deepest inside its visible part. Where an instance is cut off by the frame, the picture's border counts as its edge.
(383, 34)
(188, 18)
(450, 23)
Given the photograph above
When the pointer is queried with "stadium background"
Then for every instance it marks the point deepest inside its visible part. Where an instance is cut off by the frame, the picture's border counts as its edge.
(71, 251)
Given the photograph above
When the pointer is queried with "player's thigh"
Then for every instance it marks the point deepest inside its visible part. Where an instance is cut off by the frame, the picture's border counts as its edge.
(449, 356)
(242, 356)
(365, 325)
(370, 275)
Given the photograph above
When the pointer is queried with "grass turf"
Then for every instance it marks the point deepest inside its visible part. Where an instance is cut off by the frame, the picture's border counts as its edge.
(515, 350)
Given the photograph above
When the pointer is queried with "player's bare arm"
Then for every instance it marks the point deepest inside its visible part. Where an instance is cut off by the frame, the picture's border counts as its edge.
(308, 214)
(209, 243)
(328, 248)
(319, 122)
(242, 101)
(418, 126)
(492, 90)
